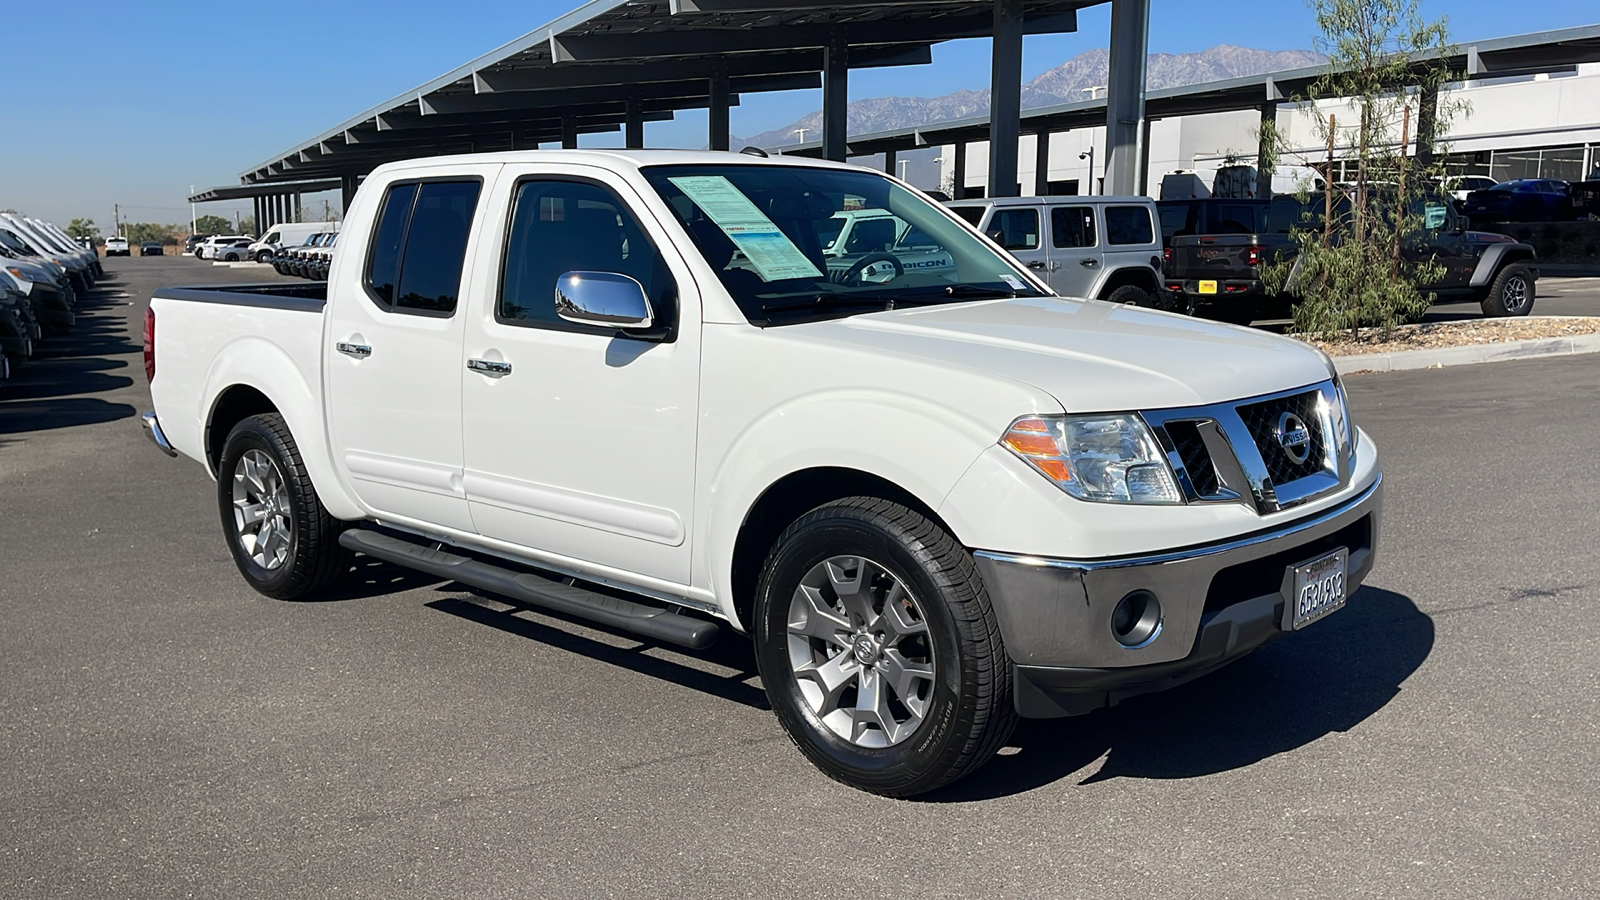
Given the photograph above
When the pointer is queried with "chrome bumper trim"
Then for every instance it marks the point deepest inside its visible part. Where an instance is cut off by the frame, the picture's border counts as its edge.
(1191, 552)
(152, 430)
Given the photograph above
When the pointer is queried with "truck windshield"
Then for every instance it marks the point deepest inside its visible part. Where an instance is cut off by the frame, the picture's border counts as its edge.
(789, 242)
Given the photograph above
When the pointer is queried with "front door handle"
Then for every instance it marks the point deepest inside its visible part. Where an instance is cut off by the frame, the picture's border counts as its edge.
(1043, 266)
(1088, 262)
(489, 366)
(359, 351)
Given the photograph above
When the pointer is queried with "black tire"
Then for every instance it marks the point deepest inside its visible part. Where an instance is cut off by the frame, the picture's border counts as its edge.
(1132, 295)
(314, 560)
(1511, 293)
(264, 256)
(968, 711)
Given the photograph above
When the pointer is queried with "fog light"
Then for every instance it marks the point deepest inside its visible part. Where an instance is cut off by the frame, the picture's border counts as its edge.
(1137, 619)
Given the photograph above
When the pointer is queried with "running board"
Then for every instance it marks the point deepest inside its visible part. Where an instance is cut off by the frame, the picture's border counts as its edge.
(653, 622)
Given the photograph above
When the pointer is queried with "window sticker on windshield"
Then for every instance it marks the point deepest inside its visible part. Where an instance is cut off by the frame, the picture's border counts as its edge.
(1013, 281)
(774, 256)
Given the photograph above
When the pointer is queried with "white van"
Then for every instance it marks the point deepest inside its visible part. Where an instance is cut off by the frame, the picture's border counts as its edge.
(287, 234)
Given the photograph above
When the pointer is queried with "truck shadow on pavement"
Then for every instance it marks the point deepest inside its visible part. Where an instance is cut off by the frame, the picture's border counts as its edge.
(48, 391)
(1328, 678)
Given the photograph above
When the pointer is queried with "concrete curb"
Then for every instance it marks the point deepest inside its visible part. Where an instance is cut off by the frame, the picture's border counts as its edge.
(1459, 356)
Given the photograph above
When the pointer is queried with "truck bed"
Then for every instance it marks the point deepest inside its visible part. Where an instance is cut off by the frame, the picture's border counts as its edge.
(309, 296)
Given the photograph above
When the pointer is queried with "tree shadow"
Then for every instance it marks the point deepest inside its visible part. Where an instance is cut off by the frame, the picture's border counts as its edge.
(1328, 678)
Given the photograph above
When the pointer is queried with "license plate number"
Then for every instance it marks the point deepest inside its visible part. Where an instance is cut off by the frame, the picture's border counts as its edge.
(1208, 287)
(1320, 587)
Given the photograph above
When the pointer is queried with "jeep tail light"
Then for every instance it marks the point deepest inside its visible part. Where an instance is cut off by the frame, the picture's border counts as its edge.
(150, 344)
(1252, 255)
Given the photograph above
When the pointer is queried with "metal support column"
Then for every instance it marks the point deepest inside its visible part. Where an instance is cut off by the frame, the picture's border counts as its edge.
(1144, 160)
(297, 216)
(890, 157)
(835, 98)
(1005, 98)
(347, 190)
(633, 122)
(569, 134)
(1041, 164)
(1427, 125)
(959, 189)
(1130, 39)
(261, 220)
(718, 119)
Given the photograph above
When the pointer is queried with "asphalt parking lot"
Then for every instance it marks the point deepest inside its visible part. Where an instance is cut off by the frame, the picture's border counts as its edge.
(169, 733)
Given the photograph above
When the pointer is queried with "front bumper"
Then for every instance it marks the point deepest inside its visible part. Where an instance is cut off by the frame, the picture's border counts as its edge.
(1217, 603)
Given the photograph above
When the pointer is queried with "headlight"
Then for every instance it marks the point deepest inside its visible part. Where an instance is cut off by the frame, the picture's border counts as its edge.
(1344, 431)
(1109, 458)
(21, 275)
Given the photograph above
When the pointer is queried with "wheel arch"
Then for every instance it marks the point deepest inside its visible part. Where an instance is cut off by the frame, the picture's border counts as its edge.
(1498, 256)
(791, 497)
(1142, 277)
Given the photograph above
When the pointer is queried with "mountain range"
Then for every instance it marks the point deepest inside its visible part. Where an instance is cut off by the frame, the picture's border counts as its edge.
(1069, 82)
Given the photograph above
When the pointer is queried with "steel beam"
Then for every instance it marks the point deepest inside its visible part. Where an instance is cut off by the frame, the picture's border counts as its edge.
(717, 120)
(1005, 98)
(642, 73)
(835, 97)
(1130, 40)
(959, 189)
(1041, 164)
(633, 122)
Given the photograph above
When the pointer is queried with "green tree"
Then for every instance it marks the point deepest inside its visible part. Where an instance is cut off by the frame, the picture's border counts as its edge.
(79, 229)
(209, 224)
(247, 225)
(1347, 271)
(139, 232)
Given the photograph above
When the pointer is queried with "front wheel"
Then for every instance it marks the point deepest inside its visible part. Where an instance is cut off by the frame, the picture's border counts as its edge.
(1511, 293)
(264, 256)
(284, 542)
(879, 649)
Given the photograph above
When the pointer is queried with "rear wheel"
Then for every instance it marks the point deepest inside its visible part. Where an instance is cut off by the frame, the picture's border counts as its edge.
(879, 649)
(284, 542)
(264, 256)
(1132, 295)
(1511, 293)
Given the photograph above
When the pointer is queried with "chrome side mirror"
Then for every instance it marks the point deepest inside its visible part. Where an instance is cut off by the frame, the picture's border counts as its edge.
(606, 299)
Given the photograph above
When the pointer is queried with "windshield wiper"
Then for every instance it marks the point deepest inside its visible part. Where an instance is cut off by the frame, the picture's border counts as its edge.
(976, 292)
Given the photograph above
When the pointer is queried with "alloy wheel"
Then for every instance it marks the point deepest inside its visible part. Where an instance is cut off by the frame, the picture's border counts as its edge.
(860, 651)
(261, 510)
(1514, 295)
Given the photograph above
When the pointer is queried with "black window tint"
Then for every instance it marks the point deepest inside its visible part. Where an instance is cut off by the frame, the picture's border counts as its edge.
(1072, 226)
(383, 266)
(436, 245)
(973, 214)
(1128, 225)
(569, 226)
(1015, 229)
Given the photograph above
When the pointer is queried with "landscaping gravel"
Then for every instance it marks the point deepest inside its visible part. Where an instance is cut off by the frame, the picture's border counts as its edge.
(1434, 335)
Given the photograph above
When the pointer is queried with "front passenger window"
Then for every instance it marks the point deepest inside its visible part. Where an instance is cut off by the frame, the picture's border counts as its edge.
(574, 226)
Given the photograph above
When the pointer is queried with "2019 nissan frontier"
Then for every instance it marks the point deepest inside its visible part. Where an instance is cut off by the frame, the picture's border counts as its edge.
(634, 387)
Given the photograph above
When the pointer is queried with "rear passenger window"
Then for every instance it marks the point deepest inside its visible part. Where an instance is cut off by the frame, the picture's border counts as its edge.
(1015, 229)
(973, 214)
(1128, 225)
(573, 226)
(1072, 226)
(420, 245)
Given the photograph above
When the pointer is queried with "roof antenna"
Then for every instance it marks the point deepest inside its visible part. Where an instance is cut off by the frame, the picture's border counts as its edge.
(754, 151)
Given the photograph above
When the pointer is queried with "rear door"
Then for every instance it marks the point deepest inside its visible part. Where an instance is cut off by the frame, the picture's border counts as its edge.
(1074, 249)
(1131, 238)
(393, 364)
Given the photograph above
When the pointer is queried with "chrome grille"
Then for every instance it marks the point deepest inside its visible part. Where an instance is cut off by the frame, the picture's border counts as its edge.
(1261, 420)
(1197, 463)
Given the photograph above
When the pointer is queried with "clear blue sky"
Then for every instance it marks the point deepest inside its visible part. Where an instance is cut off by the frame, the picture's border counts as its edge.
(132, 103)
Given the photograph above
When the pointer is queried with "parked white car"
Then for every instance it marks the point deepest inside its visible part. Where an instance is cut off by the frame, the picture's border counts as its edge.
(116, 246)
(214, 247)
(630, 386)
(286, 234)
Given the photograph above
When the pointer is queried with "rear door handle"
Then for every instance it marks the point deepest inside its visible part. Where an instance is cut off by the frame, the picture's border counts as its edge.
(1088, 262)
(1043, 266)
(489, 367)
(356, 350)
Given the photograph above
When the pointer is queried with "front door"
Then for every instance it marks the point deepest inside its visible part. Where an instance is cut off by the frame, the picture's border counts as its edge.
(1018, 231)
(1074, 249)
(394, 365)
(580, 439)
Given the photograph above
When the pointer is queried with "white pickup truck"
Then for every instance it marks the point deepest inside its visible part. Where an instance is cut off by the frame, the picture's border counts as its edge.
(630, 387)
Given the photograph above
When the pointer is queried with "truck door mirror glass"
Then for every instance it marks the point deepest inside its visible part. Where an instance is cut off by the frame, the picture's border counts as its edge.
(607, 299)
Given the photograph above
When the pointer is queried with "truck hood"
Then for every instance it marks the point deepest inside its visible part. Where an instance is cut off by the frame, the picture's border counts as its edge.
(1090, 355)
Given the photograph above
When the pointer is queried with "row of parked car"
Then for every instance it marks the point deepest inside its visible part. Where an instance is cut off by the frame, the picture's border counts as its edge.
(310, 259)
(43, 273)
(1534, 200)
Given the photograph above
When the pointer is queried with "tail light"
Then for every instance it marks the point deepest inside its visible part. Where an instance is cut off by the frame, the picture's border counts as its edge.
(150, 344)
(1166, 255)
(1252, 255)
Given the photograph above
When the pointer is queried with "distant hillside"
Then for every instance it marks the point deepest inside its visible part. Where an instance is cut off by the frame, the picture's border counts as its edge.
(1066, 83)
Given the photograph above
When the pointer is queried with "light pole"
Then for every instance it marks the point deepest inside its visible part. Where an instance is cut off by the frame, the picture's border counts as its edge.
(191, 210)
(902, 164)
(802, 133)
(1089, 155)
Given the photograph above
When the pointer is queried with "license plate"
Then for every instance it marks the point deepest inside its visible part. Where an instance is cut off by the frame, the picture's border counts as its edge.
(1208, 287)
(1319, 588)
